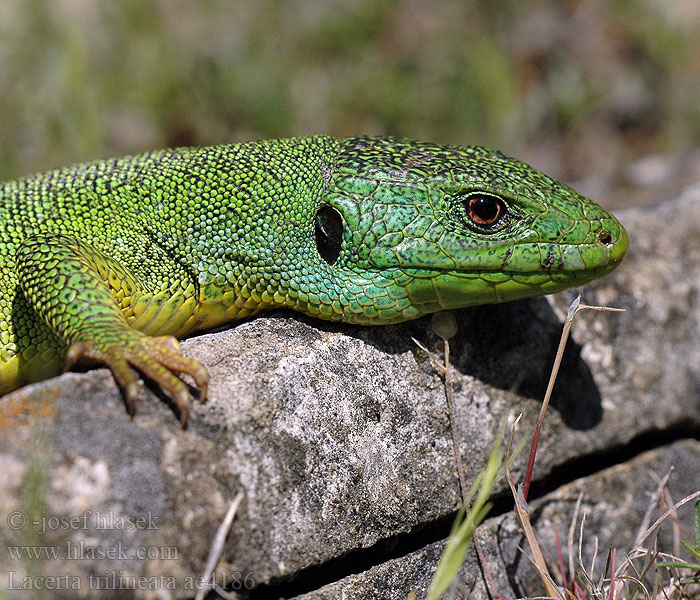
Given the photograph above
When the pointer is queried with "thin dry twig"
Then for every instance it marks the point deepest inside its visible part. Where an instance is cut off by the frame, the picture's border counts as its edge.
(453, 428)
(639, 577)
(445, 331)
(431, 357)
(444, 369)
(445, 326)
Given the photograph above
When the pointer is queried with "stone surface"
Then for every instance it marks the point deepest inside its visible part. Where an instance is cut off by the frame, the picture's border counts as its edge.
(614, 500)
(339, 436)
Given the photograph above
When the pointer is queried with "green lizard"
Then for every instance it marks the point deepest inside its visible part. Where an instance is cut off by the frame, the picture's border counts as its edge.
(113, 260)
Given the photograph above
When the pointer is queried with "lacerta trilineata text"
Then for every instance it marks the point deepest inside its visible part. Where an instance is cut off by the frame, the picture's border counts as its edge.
(98, 258)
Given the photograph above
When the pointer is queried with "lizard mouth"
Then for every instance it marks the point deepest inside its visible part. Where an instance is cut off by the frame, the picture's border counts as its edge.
(444, 289)
(546, 272)
(560, 259)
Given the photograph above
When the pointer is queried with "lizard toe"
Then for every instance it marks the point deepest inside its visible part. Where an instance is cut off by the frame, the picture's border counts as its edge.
(76, 351)
(127, 379)
(166, 350)
(158, 358)
(170, 383)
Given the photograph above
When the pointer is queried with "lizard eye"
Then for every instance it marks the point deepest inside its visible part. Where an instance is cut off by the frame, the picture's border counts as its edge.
(484, 211)
(329, 233)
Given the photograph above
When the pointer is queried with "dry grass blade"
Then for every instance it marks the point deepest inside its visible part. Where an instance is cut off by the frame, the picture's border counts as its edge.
(653, 502)
(594, 557)
(537, 559)
(572, 533)
(611, 565)
(544, 574)
(217, 546)
(675, 522)
(574, 308)
(520, 494)
(621, 579)
(671, 510)
(587, 577)
(639, 577)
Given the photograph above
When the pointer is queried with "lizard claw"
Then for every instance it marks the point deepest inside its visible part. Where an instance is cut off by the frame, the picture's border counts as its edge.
(158, 358)
(75, 351)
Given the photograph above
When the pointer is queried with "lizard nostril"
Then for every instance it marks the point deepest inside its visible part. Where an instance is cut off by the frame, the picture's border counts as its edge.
(604, 237)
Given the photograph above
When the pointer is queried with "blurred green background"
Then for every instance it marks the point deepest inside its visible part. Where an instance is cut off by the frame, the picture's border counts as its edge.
(577, 88)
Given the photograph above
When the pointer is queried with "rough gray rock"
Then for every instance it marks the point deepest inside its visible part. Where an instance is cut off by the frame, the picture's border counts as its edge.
(339, 436)
(614, 501)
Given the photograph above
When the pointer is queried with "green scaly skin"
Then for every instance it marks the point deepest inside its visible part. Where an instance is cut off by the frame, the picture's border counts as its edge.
(97, 258)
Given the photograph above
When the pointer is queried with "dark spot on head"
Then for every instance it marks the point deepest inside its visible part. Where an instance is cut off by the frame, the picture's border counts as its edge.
(548, 262)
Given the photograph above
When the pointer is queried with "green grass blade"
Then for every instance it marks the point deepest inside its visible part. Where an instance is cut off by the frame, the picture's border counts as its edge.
(465, 524)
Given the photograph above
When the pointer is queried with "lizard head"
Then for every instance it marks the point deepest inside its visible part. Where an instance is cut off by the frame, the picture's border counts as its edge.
(408, 228)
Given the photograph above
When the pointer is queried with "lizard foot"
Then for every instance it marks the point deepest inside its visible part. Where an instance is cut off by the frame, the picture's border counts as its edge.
(158, 358)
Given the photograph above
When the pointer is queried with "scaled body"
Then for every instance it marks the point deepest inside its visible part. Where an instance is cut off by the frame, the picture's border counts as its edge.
(366, 230)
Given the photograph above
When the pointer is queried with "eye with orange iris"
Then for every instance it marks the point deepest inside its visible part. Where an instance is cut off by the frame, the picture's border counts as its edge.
(486, 212)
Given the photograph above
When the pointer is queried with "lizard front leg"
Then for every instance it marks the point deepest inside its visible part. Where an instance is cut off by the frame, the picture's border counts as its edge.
(85, 296)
